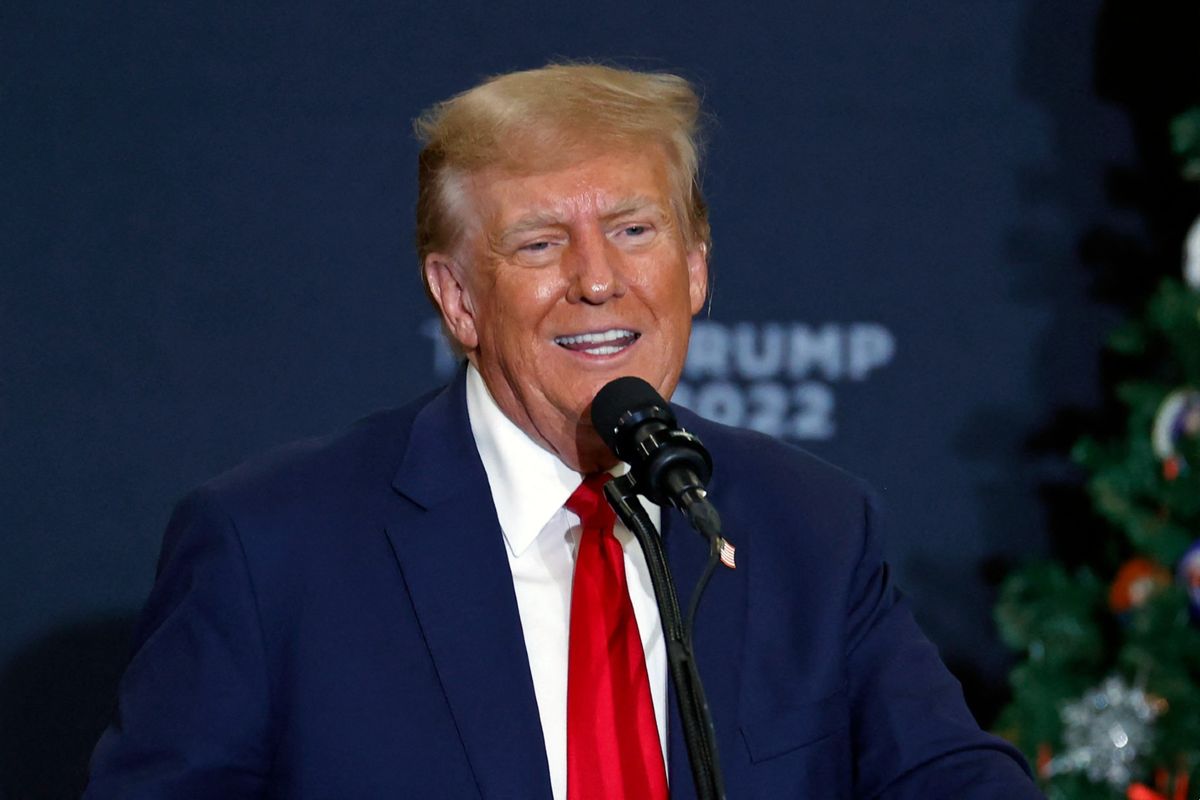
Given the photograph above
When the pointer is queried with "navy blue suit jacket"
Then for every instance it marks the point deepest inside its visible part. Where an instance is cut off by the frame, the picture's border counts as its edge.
(338, 620)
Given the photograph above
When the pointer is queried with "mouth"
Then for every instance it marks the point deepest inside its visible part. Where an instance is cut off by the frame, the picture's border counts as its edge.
(599, 343)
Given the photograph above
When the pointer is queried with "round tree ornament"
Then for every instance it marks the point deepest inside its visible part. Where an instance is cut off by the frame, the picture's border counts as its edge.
(1189, 577)
(1178, 417)
(1136, 581)
(1191, 256)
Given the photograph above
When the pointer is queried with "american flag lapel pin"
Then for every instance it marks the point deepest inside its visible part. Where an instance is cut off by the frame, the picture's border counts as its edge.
(727, 554)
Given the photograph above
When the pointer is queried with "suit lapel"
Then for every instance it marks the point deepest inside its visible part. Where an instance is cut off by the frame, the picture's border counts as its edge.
(718, 641)
(451, 553)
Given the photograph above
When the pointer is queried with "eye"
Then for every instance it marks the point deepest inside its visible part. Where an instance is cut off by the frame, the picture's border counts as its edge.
(536, 247)
(634, 233)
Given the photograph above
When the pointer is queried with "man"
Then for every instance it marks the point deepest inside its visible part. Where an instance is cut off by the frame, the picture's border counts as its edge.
(417, 607)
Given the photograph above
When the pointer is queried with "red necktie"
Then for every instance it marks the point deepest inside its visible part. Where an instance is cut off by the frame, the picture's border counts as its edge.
(613, 751)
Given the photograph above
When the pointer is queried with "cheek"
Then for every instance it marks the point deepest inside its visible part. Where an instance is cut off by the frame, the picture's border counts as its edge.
(515, 329)
(661, 282)
(543, 292)
(525, 295)
(673, 299)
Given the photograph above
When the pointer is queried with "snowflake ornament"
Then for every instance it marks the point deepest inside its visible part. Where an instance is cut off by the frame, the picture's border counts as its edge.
(1106, 731)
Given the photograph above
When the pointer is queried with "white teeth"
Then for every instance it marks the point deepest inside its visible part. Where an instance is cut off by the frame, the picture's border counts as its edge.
(597, 338)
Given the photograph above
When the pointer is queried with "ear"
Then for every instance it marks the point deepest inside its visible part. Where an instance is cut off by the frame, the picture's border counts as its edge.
(697, 261)
(446, 281)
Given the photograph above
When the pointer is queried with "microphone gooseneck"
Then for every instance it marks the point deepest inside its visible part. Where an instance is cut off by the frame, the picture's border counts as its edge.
(669, 466)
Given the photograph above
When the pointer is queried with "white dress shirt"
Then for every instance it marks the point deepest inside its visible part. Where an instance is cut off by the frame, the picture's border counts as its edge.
(529, 487)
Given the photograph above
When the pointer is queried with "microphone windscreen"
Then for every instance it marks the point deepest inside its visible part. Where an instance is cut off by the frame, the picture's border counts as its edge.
(617, 398)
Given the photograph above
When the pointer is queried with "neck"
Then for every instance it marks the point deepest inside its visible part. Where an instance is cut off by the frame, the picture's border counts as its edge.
(591, 454)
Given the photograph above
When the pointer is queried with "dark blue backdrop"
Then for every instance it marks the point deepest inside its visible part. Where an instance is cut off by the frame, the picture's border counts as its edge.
(206, 251)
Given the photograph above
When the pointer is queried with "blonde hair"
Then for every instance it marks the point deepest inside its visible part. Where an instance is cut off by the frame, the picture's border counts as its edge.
(541, 119)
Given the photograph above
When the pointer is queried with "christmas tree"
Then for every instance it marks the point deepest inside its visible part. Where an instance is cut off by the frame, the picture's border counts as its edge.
(1106, 698)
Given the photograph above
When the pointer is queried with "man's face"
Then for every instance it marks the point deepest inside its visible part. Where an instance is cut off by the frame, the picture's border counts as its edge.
(568, 279)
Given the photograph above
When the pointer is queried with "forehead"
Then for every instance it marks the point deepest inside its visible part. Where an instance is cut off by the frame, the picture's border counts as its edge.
(595, 184)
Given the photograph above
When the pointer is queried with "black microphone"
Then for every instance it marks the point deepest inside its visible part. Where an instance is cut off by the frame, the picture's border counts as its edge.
(668, 464)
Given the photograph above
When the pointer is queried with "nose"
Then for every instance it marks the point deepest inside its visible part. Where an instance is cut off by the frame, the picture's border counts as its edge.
(594, 270)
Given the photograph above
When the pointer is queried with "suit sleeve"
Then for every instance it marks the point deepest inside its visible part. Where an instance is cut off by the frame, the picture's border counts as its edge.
(193, 707)
(914, 736)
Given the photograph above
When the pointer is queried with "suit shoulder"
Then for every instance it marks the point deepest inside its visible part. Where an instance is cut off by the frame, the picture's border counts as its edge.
(364, 453)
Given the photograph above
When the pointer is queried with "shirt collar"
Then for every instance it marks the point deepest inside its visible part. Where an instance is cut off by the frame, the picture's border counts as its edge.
(529, 483)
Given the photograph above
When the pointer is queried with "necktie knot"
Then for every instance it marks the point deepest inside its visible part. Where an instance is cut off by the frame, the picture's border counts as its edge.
(589, 503)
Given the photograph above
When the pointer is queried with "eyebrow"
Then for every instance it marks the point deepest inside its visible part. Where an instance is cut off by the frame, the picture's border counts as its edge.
(547, 219)
(529, 222)
(631, 205)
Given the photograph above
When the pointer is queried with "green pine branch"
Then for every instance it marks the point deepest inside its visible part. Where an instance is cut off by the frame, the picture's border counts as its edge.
(1062, 622)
